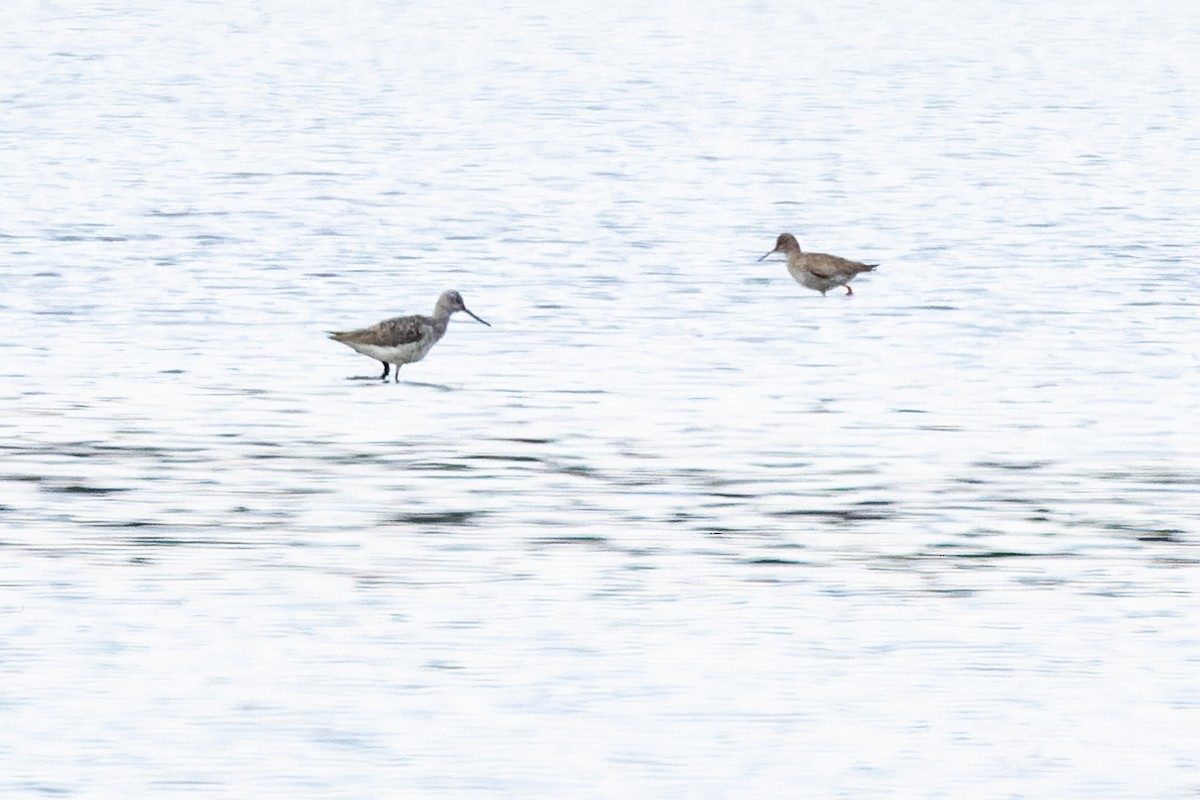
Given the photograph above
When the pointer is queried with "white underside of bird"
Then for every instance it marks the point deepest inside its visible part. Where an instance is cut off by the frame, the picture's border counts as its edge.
(397, 354)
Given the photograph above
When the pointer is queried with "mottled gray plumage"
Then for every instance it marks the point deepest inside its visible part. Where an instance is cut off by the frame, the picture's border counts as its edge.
(818, 271)
(403, 340)
(393, 332)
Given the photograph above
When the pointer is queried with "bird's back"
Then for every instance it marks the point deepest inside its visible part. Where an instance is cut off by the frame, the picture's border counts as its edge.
(827, 266)
(390, 333)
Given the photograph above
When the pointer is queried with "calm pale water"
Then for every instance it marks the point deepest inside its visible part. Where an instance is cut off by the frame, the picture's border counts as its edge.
(674, 527)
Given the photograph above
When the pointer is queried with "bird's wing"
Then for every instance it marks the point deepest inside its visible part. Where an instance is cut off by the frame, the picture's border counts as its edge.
(824, 266)
(827, 266)
(389, 333)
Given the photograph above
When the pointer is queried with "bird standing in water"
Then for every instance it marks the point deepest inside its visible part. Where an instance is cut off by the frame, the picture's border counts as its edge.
(818, 271)
(403, 340)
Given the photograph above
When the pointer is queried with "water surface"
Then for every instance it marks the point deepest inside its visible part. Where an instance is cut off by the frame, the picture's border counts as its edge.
(674, 526)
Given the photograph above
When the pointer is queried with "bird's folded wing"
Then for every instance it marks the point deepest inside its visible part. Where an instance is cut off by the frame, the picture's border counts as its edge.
(402, 330)
(389, 333)
(829, 266)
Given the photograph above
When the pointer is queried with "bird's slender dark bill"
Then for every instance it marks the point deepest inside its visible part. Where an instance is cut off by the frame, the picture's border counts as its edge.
(473, 315)
(776, 250)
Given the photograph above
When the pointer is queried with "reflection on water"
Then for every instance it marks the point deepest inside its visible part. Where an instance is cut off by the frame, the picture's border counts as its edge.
(673, 526)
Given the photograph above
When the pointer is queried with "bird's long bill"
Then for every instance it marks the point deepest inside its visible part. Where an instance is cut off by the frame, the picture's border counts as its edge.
(773, 252)
(472, 313)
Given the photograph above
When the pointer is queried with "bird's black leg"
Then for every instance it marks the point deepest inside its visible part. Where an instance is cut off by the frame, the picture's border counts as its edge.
(386, 368)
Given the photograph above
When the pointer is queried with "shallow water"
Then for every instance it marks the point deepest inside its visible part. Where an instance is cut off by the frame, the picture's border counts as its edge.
(674, 526)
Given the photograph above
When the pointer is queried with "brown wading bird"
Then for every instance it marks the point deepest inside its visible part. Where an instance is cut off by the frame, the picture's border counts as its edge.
(818, 271)
(403, 340)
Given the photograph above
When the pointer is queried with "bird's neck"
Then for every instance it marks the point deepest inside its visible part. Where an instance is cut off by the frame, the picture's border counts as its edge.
(441, 317)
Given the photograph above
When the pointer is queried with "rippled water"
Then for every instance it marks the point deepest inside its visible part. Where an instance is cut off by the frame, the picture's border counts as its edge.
(674, 526)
